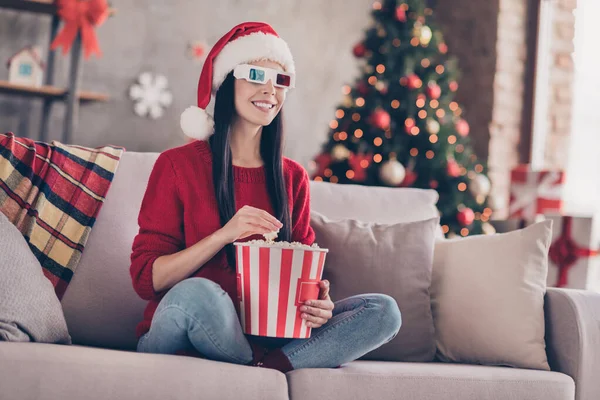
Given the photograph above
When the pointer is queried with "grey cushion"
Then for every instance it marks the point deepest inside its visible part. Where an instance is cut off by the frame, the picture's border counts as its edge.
(29, 308)
(50, 372)
(366, 203)
(392, 259)
(428, 381)
(487, 298)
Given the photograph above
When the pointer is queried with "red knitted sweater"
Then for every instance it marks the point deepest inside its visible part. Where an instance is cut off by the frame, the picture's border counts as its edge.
(179, 209)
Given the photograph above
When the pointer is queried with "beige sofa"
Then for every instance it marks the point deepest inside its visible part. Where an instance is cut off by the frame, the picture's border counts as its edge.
(102, 310)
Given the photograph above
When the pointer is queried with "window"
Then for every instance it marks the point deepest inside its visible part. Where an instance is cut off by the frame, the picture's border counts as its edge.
(25, 69)
(583, 183)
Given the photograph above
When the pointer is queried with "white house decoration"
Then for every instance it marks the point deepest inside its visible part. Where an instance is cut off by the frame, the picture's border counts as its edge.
(26, 67)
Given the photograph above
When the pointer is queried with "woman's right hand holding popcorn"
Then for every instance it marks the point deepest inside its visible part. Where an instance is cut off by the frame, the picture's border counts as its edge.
(249, 221)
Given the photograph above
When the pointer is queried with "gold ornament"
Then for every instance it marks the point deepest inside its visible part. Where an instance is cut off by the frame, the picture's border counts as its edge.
(340, 152)
(480, 185)
(368, 69)
(347, 101)
(380, 85)
(433, 127)
(392, 173)
(425, 36)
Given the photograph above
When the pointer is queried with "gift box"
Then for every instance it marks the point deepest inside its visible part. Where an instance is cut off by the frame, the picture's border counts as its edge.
(534, 192)
(574, 260)
(273, 282)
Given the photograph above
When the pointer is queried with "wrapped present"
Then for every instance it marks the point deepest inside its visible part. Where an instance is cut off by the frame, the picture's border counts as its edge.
(273, 282)
(534, 192)
(573, 257)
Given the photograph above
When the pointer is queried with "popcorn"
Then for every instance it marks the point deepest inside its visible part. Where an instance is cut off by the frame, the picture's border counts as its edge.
(271, 236)
(284, 245)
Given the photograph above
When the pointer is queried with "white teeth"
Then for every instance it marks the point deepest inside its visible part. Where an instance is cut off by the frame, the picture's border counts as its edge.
(264, 105)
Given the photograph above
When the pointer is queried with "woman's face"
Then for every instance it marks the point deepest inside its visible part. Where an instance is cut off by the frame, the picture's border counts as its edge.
(259, 103)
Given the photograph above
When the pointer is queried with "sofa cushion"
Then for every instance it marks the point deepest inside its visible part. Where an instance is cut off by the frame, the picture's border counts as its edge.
(100, 305)
(427, 381)
(487, 297)
(382, 205)
(44, 371)
(392, 259)
(30, 310)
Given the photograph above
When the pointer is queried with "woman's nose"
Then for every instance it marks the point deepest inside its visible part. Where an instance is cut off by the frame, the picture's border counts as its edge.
(269, 88)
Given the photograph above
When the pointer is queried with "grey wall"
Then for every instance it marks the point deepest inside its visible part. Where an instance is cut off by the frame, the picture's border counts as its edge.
(152, 35)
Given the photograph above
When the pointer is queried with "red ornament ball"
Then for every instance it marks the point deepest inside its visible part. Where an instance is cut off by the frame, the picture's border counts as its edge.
(414, 82)
(381, 119)
(401, 14)
(359, 50)
(363, 88)
(465, 217)
(462, 127)
(409, 178)
(453, 169)
(453, 86)
(434, 91)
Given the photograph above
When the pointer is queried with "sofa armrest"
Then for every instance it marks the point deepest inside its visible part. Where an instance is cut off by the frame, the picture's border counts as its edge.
(573, 338)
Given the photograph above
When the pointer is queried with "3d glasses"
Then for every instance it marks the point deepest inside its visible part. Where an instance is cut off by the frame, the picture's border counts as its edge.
(256, 74)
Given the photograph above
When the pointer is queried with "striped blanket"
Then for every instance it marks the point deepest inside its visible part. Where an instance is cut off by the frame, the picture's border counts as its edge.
(52, 193)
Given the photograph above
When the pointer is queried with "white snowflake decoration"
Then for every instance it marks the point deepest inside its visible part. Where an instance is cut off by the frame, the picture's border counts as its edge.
(150, 95)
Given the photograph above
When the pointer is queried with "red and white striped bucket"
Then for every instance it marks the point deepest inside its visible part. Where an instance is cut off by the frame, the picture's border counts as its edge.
(272, 283)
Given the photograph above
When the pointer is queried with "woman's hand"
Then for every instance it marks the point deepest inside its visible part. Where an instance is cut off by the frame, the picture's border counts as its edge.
(318, 312)
(249, 221)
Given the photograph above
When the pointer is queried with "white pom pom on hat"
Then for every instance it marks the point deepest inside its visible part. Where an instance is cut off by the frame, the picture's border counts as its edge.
(245, 43)
(196, 123)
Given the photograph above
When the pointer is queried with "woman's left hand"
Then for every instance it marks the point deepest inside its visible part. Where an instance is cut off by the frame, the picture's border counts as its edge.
(318, 312)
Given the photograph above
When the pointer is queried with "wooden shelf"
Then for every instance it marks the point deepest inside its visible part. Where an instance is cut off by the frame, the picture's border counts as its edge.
(36, 6)
(50, 92)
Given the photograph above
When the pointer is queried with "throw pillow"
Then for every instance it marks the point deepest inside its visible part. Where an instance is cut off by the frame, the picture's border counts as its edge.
(391, 259)
(487, 297)
(30, 310)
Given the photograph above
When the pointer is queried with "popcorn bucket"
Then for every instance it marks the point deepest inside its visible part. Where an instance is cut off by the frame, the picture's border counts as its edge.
(272, 282)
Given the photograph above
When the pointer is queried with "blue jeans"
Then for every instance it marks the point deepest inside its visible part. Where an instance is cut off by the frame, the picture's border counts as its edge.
(198, 314)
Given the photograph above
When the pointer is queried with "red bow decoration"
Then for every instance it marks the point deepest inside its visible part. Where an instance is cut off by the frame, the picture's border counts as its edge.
(564, 252)
(81, 15)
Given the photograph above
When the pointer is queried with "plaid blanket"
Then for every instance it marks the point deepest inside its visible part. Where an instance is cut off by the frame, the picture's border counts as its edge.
(52, 193)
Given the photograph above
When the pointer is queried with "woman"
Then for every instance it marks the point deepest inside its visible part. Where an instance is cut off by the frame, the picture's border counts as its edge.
(229, 187)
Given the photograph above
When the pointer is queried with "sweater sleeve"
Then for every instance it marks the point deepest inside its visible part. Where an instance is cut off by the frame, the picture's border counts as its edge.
(160, 227)
(301, 230)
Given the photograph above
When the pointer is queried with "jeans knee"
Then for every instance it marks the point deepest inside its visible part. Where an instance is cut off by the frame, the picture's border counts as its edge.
(196, 295)
(390, 316)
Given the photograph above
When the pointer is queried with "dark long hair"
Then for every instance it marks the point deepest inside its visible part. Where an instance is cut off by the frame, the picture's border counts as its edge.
(271, 151)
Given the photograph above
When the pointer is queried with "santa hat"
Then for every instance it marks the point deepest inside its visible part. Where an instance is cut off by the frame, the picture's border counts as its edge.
(245, 43)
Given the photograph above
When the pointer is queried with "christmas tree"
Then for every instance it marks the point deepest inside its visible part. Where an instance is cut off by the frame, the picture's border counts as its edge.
(399, 125)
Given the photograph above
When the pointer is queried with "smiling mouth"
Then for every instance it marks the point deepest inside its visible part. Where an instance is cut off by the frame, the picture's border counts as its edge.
(263, 106)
